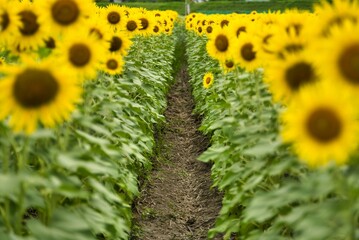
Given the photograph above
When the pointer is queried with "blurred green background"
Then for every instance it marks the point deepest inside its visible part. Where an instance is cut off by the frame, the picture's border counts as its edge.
(212, 6)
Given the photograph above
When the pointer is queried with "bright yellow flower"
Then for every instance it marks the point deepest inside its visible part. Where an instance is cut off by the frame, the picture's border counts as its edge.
(322, 125)
(113, 64)
(286, 78)
(65, 15)
(208, 80)
(244, 51)
(37, 92)
(81, 53)
(338, 55)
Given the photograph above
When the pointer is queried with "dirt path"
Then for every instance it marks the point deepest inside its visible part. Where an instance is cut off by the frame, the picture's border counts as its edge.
(177, 202)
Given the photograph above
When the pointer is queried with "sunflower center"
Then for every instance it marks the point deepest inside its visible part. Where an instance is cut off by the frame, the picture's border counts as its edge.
(34, 88)
(5, 21)
(299, 74)
(224, 23)
(208, 80)
(112, 64)
(156, 29)
(221, 43)
(324, 125)
(29, 21)
(247, 52)
(65, 12)
(229, 63)
(240, 29)
(79, 54)
(116, 44)
(50, 43)
(113, 17)
(209, 29)
(144, 23)
(131, 25)
(199, 29)
(349, 63)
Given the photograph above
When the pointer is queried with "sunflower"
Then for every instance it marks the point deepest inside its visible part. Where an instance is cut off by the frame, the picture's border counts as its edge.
(283, 42)
(65, 15)
(322, 125)
(286, 78)
(113, 64)
(147, 23)
(239, 25)
(157, 28)
(37, 92)
(81, 53)
(132, 24)
(219, 44)
(228, 65)
(209, 28)
(338, 55)
(293, 20)
(335, 14)
(119, 43)
(208, 80)
(32, 31)
(9, 22)
(97, 26)
(244, 51)
(114, 16)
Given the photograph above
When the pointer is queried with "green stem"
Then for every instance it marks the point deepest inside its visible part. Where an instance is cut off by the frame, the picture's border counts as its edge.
(21, 165)
(5, 210)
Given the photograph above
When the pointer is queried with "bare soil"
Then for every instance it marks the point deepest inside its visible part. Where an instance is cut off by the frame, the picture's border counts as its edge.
(177, 202)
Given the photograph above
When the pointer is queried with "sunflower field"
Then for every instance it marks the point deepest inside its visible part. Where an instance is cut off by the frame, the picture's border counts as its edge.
(82, 89)
(277, 92)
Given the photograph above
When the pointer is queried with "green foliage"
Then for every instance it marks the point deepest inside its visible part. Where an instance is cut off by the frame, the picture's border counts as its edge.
(268, 194)
(78, 181)
(221, 7)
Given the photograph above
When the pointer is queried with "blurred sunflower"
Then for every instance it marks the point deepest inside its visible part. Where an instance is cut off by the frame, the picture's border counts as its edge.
(209, 28)
(114, 16)
(113, 64)
(244, 51)
(219, 43)
(37, 92)
(64, 15)
(132, 24)
(293, 20)
(119, 43)
(147, 23)
(32, 31)
(96, 26)
(238, 25)
(335, 14)
(208, 80)
(286, 78)
(81, 53)
(284, 42)
(322, 125)
(157, 28)
(228, 66)
(9, 22)
(338, 55)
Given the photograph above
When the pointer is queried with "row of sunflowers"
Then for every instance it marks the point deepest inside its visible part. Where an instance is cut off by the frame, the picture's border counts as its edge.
(82, 88)
(277, 91)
